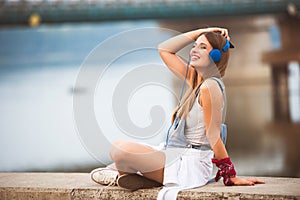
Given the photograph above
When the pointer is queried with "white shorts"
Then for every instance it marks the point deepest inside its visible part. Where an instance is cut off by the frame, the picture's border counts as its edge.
(191, 168)
(186, 167)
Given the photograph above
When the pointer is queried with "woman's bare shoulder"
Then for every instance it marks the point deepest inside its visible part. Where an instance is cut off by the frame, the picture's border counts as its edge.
(210, 88)
(209, 84)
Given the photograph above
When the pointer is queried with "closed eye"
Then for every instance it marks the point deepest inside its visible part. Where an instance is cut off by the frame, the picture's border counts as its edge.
(202, 45)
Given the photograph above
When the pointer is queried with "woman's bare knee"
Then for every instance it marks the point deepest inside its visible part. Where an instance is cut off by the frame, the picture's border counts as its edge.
(121, 156)
(116, 152)
(123, 150)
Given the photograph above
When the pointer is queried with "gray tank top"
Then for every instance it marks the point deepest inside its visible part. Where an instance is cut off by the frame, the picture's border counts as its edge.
(195, 129)
(195, 124)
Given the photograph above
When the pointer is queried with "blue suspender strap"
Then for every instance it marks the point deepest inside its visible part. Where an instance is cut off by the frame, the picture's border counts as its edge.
(175, 123)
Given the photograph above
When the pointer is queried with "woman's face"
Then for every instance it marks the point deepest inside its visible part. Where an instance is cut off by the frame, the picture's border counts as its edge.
(199, 54)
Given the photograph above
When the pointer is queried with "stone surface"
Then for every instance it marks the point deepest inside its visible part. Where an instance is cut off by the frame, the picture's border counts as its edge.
(77, 186)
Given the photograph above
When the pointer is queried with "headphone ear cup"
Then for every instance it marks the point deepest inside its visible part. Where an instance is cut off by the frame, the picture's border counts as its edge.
(215, 55)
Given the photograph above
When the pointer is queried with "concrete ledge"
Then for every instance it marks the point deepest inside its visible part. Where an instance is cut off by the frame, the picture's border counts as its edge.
(65, 186)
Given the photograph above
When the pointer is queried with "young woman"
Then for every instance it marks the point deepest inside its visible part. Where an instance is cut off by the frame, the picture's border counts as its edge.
(187, 160)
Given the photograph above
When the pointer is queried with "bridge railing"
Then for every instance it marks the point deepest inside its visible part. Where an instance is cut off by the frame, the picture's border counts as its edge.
(19, 11)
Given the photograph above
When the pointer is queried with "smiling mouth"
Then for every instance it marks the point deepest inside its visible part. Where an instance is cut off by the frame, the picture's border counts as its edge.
(194, 57)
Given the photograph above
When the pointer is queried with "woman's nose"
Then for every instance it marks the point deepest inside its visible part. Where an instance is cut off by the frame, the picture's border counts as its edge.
(193, 50)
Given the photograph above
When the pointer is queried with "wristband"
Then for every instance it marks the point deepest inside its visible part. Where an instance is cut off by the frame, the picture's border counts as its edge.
(226, 170)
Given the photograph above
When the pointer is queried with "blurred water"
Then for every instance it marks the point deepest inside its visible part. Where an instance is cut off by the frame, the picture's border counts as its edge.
(38, 68)
(38, 71)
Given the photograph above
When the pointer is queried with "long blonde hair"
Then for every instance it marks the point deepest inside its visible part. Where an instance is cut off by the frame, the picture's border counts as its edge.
(217, 41)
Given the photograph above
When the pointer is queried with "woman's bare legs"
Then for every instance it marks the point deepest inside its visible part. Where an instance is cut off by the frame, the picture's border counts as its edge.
(131, 157)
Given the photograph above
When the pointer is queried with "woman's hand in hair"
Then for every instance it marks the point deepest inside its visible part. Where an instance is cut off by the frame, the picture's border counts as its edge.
(222, 31)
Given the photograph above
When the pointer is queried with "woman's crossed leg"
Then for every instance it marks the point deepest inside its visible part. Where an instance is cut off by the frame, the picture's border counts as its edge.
(131, 158)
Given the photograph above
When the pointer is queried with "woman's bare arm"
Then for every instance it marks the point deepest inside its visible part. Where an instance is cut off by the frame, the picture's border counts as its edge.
(211, 100)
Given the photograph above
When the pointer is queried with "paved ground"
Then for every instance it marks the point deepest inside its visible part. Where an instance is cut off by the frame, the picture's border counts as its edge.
(64, 186)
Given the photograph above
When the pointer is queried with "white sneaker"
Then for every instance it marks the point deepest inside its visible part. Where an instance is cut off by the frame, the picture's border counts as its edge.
(105, 176)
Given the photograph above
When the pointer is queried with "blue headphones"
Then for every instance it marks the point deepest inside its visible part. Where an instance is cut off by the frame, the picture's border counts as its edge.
(216, 54)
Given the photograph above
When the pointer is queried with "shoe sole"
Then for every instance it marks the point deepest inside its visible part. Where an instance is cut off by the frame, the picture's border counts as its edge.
(135, 182)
